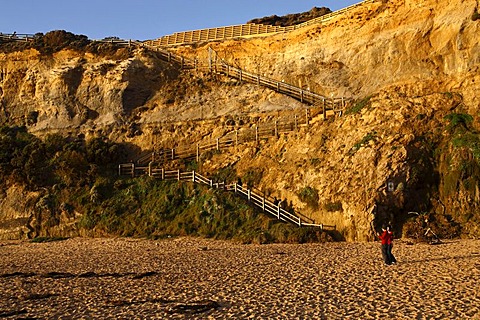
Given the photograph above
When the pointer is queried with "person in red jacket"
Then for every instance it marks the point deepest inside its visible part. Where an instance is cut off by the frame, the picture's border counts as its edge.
(390, 255)
(387, 244)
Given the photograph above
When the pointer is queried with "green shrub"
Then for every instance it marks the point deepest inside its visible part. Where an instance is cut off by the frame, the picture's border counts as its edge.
(470, 141)
(252, 177)
(227, 174)
(315, 162)
(333, 206)
(475, 16)
(47, 239)
(367, 138)
(309, 195)
(449, 95)
(102, 152)
(458, 121)
(359, 105)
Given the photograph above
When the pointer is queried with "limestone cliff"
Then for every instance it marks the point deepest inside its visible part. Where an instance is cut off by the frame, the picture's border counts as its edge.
(415, 62)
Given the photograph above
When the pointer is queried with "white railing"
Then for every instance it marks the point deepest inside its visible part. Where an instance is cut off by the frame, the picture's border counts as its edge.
(255, 198)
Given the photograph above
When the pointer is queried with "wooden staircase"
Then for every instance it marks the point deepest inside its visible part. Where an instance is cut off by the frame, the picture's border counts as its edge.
(253, 197)
(256, 133)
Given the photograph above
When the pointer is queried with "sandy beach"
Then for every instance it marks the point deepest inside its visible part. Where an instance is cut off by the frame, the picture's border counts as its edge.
(189, 278)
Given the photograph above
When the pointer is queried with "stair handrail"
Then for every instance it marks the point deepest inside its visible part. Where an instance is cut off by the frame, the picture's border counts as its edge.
(304, 95)
(252, 196)
(232, 138)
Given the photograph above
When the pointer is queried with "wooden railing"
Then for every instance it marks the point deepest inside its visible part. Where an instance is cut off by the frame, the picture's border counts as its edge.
(244, 30)
(5, 37)
(233, 138)
(303, 95)
(212, 34)
(220, 66)
(255, 198)
(220, 33)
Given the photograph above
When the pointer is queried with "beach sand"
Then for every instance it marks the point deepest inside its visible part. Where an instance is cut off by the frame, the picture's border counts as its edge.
(189, 278)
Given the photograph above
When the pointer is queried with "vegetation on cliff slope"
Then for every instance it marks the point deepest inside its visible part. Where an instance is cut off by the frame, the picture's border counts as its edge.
(450, 208)
(292, 19)
(57, 40)
(79, 176)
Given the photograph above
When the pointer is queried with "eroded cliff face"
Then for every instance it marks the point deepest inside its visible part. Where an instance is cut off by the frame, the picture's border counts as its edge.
(424, 45)
(418, 60)
(74, 90)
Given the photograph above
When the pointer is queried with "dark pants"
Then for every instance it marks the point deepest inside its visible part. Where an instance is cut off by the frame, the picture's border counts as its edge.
(390, 255)
(385, 254)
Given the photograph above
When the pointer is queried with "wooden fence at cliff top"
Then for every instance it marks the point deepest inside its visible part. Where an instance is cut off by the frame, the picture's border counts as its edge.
(8, 37)
(242, 31)
(220, 33)
(210, 34)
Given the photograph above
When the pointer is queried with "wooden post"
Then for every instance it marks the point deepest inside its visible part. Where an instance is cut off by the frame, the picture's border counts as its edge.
(119, 169)
(235, 187)
(278, 86)
(193, 175)
(215, 61)
(198, 152)
(324, 110)
(173, 154)
(263, 203)
(133, 170)
(240, 75)
(163, 174)
(248, 194)
(150, 169)
(301, 95)
(236, 137)
(278, 210)
(218, 144)
(210, 58)
(178, 174)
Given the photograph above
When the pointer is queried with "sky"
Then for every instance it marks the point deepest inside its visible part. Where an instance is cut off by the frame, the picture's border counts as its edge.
(142, 19)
